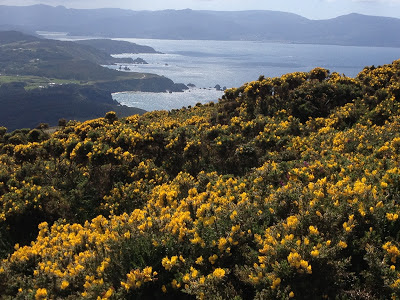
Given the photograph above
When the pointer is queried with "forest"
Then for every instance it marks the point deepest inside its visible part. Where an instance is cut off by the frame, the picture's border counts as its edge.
(288, 187)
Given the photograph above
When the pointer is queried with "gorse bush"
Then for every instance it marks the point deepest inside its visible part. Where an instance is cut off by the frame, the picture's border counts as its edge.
(287, 188)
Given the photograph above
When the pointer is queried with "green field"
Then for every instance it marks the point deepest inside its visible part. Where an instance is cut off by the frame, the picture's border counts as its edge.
(33, 82)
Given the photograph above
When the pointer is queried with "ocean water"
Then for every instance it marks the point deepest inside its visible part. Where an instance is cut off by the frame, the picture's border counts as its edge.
(167, 101)
(232, 63)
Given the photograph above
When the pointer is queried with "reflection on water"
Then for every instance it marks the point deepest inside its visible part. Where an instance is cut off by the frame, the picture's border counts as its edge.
(167, 101)
(232, 63)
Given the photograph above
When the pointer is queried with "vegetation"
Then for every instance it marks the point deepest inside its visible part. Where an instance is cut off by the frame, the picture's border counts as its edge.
(25, 55)
(23, 107)
(117, 47)
(286, 188)
(45, 80)
(34, 82)
(22, 54)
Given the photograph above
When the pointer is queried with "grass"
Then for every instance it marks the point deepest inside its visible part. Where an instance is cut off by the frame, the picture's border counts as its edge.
(33, 82)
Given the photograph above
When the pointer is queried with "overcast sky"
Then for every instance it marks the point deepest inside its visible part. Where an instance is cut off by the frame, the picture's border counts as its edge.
(313, 9)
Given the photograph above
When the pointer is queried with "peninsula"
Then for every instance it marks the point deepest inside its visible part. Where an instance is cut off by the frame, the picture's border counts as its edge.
(66, 78)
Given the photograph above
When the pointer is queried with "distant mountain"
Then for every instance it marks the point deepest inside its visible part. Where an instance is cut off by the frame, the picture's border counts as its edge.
(353, 29)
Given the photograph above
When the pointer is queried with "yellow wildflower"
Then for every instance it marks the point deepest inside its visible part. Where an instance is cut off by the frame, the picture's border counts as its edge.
(41, 294)
(64, 284)
(219, 273)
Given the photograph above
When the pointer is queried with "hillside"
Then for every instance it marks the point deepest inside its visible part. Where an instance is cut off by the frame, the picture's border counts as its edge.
(22, 54)
(45, 80)
(286, 188)
(117, 47)
(22, 108)
(352, 29)
(29, 55)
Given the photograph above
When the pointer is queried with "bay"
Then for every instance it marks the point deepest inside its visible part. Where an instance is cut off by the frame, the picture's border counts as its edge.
(167, 101)
(232, 63)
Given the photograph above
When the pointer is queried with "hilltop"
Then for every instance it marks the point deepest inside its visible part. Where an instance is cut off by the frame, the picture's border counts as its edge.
(288, 187)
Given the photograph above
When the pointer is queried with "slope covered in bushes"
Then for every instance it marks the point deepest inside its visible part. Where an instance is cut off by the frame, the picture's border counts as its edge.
(286, 188)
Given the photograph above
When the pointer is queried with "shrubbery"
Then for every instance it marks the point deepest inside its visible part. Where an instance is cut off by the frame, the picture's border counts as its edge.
(287, 188)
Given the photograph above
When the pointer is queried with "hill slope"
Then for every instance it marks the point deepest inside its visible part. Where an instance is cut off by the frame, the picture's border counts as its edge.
(29, 55)
(45, 80)
(286, 188)
(22, 108)
(117, 47)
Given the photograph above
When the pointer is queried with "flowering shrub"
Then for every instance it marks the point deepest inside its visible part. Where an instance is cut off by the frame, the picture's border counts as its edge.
(287, 188)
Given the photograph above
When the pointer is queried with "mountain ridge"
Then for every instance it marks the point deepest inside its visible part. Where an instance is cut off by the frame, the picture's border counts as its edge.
(264, 25)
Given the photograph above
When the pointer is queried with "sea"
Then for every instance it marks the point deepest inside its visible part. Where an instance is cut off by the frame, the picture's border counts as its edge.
(206, 64)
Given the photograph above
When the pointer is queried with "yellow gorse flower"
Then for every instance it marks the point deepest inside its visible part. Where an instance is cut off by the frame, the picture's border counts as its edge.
(219, 273)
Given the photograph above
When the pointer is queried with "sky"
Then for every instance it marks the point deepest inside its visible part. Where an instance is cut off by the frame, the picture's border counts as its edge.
(312, 9)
